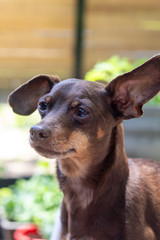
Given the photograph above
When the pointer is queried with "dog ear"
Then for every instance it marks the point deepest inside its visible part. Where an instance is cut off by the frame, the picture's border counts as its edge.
(25, 98)
(127, 93)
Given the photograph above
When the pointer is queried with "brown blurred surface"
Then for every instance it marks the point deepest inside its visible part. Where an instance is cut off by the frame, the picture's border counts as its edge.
(39, 36)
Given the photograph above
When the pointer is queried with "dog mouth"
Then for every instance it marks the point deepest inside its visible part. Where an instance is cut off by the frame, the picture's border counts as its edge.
(52, 153)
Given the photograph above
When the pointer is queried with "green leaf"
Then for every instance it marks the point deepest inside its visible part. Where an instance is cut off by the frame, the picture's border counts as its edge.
(109, 69)
(35, 200)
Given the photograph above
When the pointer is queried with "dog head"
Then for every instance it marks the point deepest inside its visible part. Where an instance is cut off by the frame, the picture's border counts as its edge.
(78, 117)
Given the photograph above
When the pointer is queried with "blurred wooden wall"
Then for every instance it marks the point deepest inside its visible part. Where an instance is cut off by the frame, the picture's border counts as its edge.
(39, 36)
(124, 27)
(36, 36)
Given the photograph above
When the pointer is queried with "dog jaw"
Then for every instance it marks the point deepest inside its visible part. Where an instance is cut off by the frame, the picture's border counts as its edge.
(71, 152)
(77, 163)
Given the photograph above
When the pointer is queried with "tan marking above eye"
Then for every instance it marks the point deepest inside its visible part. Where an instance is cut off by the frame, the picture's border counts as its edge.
(48, 99)
(74, 103)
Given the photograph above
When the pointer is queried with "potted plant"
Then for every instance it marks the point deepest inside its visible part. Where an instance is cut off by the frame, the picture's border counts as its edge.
(142, 135)
(35, 200)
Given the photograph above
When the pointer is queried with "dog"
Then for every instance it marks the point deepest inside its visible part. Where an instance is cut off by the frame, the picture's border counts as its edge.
(106, 195)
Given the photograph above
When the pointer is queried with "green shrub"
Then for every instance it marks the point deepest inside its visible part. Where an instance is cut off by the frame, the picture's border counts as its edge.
(111, 68)
(35, 200)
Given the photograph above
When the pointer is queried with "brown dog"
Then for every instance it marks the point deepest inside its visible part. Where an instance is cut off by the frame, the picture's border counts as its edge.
(106, 195)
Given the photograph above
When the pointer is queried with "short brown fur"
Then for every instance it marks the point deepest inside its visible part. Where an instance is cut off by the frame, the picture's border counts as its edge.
(106, 195)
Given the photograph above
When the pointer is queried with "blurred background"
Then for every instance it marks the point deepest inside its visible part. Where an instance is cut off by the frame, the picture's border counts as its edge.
(66, 38)
(40, 36)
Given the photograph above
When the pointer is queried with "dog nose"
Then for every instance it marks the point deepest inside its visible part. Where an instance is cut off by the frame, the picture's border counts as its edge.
(39, 132)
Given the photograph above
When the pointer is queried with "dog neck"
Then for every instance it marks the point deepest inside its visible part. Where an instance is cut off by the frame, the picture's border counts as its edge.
(110, 174)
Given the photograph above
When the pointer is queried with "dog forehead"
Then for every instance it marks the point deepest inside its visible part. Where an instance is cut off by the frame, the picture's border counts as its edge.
(71, 88)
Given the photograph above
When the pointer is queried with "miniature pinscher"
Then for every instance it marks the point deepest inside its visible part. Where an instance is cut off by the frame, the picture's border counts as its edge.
(106, 195)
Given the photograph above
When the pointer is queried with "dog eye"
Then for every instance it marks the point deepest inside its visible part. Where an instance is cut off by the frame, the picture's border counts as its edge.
(81, 113)
(43, 106)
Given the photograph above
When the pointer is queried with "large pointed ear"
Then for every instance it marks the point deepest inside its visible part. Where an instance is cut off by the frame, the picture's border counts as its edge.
(127, 93)
(25, 98)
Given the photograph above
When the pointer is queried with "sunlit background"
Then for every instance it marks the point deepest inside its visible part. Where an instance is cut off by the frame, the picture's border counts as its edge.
(65, 38)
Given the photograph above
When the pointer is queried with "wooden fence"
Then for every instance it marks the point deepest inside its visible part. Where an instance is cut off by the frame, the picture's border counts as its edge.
(39, 36)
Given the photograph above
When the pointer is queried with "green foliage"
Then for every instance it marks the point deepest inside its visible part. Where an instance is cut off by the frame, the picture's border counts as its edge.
(155, 101)
(111, 68)
(35, 200)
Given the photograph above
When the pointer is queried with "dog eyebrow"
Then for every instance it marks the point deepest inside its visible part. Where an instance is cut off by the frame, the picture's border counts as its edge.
(75, 103)
(99, 110)
(93, 99)
(48, 99)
